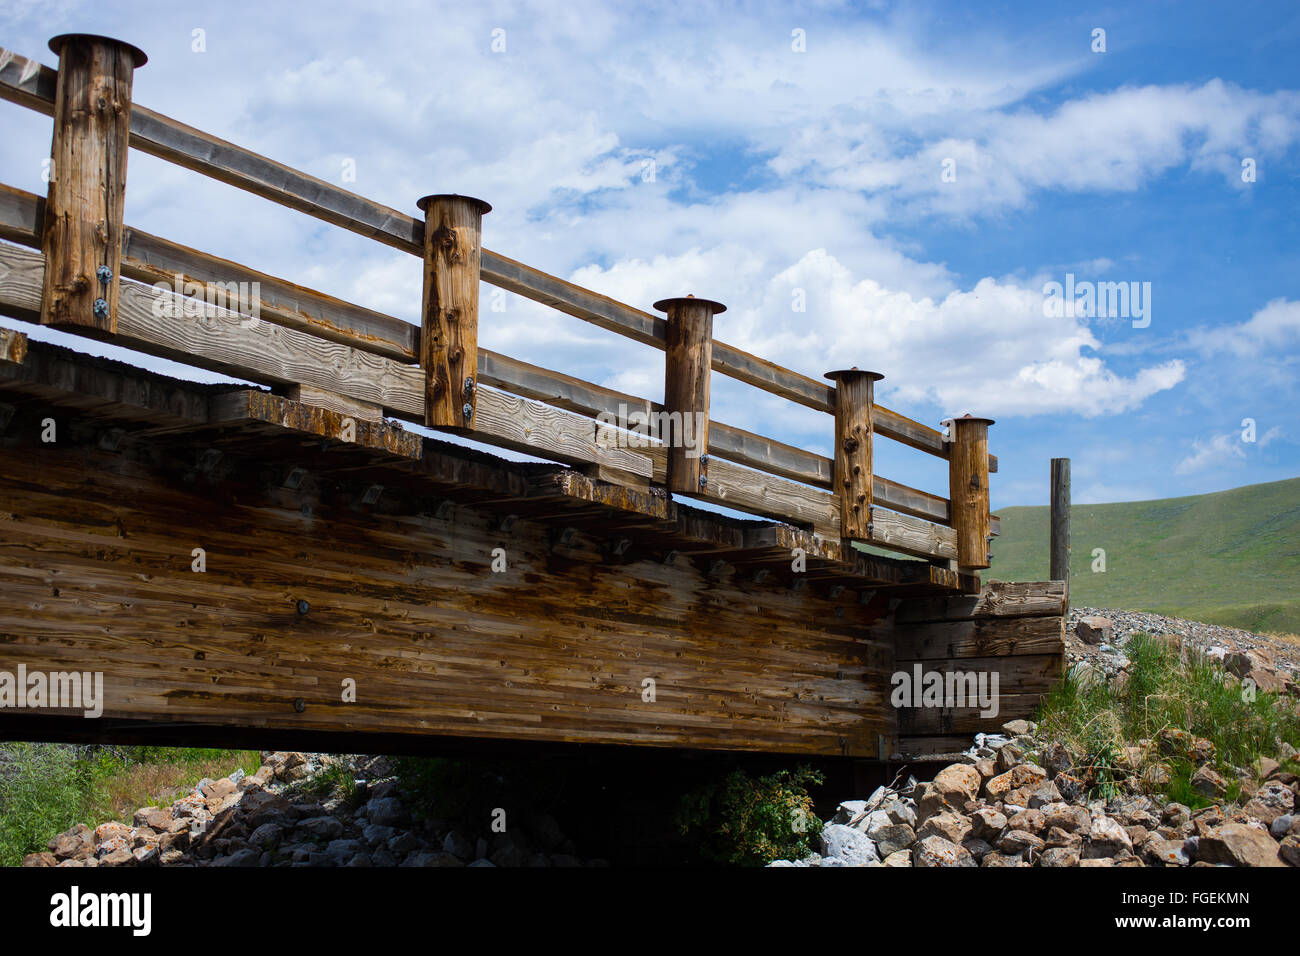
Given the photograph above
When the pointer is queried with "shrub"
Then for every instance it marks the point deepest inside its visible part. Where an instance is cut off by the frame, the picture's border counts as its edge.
(754, 821)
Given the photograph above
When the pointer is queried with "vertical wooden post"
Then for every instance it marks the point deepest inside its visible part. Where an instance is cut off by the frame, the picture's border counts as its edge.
(453, 252)
(1061, 521)
(687, 367)
(853, 429)
(968, 489)
(82, 238)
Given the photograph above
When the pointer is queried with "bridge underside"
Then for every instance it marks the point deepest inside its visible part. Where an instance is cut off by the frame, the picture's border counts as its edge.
(348, 590)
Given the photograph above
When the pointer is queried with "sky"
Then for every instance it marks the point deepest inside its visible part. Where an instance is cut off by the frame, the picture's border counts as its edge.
(891, 186)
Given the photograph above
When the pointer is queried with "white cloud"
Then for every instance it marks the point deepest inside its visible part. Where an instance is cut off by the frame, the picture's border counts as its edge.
(1274, 327)
(1219, 450)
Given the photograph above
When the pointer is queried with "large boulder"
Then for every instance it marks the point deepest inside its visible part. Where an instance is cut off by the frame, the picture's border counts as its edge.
(851, 847)
(1238, 844)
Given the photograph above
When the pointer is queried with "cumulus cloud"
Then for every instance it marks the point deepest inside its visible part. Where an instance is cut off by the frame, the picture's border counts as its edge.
(1219, 450)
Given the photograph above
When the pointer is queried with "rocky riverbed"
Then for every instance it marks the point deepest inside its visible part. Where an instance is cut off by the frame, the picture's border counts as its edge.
(270, 818)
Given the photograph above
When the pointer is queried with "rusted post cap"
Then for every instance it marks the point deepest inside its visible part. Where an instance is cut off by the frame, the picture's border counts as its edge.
(663, 304)
(423, 202)
(851, 373)
(137, 54)
(968, 417)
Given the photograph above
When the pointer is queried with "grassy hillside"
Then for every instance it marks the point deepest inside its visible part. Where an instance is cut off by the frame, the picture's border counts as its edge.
(1230, 558)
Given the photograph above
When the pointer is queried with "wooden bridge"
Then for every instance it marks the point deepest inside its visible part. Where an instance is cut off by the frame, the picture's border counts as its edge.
(292, 561)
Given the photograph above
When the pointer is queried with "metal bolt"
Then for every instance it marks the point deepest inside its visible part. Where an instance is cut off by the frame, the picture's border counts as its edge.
(469, 385)
(704, 460)
(101, 309)
(303, 607)
(299, 704)
(704, 481)
(104, 274)
(467, 409)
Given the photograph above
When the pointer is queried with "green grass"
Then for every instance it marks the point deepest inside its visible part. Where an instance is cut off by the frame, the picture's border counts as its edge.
(47, 788)
(1163, 691)
(1230, 558)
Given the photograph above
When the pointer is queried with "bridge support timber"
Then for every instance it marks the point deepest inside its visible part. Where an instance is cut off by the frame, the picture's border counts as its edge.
(234, 561)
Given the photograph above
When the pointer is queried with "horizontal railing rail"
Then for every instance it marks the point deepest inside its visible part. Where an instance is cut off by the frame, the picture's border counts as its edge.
(324, 343)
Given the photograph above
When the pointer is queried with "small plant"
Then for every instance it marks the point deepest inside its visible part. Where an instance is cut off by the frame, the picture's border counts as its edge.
(754, 821)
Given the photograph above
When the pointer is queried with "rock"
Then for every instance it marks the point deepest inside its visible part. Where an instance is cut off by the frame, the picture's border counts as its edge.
(956, 784)
(1288, 851)
(246, 857)
(1015, 842)
(459, 844)
(1157, 851)
(1031, 821)
(901, 858)
(145, 855)
(1272, 800)
(214, 790)
(987, 823)
(44, 858)
(1097, 861)
(1265, 767)
(1280, 826)
(1056, 758)
(1071, 788)
(977, 848)
(953, 827)
(1008, 757)
(376, 835)
(402, 843)
(1068, 818)
(1106, 839)
(848, 811)
(323, 828)
(850, 846)
(155, 818)
(1059, 856)
(111, 831)
(935, 851)
(267, 835)
(892, 838)
(1094, 630)
(343, 849)
(1025, 775)
(1237, 844)
(1208, 783)
(120, 856)
(1014, 728)
(385, 811)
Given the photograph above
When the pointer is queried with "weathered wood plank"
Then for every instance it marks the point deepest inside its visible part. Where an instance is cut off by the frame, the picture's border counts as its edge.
(988, 637)
(997, 599)
(334, 402)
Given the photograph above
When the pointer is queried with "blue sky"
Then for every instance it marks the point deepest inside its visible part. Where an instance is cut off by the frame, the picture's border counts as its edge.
(777, 169)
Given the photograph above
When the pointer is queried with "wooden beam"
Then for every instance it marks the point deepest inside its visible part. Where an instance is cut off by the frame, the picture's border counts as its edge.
(82, 238)
(453, 231)
(996, 599)
(854, 479)
(1060, 520)
(13, 347)
(968, 490)
(686, 390)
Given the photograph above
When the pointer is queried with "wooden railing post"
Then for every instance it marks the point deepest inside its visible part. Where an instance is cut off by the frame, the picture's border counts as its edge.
(82, 238)
(968, 490)
(453, 250)
(1060, 518)
(687, 366)
(853, 430)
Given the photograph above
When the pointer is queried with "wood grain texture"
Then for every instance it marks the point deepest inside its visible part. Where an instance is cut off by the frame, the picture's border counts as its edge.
(968, 490)
(453, 229)
(996, 599)
(854, 477)
(1060, 521)
(83, 212)
(1016, 631)
(687, 371)
(98, 576)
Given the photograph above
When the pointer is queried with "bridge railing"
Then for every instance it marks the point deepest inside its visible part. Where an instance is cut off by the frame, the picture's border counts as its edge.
(99, 277)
